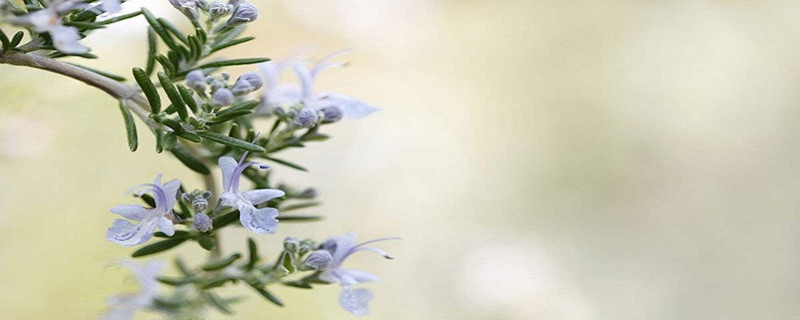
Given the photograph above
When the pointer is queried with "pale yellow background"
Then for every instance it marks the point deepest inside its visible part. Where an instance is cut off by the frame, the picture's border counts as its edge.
(573, 160)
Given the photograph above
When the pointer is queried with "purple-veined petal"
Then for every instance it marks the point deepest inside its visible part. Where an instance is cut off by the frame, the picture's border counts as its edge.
(258, 220)
(340, 246)
(170, 192)
(260, 196)
(358, 276)
(130, 211)
(228, 199)
(124, 233)
(165, 225)
(228, 166)
(355, 301)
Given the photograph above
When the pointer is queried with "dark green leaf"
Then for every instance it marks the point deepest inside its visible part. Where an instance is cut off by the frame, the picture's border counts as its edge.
(148, 88)
(222, 263)
(252, 249)
(299, 218)
(130, 127)
(266, 294)
(120, 18)
(188, 97)
(153, 21)
(16, 39)
(189, 160)
(233, 62)
(178, 234)
(230, 44)
(81, 25)
(220, 118)
(148, 200)
(206, 242)
(232, 142)
(102, 73)
(301, 205)
(217, 302)
(166, 64)
(158, 247)
(174, 30)
(285, 163)
(177, 281)
(298, 284)
(173, 95)
(152, 49)
(189, 136)
(4, 40)
(225, 220)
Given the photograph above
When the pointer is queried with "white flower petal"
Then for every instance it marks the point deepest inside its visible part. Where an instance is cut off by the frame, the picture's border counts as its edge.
(260, 196)
(358, 276)
(351, 108)
(65, 39)
(261, 221)
(130, 211)
(111, 5)
(228, 166)
(355, 301)
(165, 225)
(124, 233)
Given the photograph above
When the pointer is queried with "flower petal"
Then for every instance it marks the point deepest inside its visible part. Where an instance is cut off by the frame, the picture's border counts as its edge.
(351, 108)
(260, 196)
(358, 276)
(355, 301)
(124, 233)
(258, 220)
(170, 192)
(131, 211)
(228, 166)
(65, 39)
(165, 225)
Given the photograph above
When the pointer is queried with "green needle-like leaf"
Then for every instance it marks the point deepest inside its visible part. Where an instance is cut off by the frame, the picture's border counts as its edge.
(189, 160)
(286, 163)
(232, 142)
(158, 247)
(188, 97)
(148, 88)
(233, 62)
(173, 95)
(252, 249)
(152, 49)
(130, 127)
(160, 31)
(217, 302)
(16, 39)
(266, 294)
(219, 264)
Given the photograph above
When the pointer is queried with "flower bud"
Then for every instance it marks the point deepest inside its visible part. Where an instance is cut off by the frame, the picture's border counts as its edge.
(222, 97)
(308, 193)
(187, 7)
(306, 118)
(331, 114)
(291, 244)
(244, 13)
(196, 80)
(218, 9)
(317, 260)
(202, 222)
(247, 82)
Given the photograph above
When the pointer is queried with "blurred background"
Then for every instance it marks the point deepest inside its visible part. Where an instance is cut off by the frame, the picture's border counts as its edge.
(541, 160)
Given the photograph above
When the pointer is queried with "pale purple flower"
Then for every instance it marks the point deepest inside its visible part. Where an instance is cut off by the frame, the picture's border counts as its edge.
(335, 105)
(127, 234)
(261, 220)
(48, 20)
(342, 247)
(243, 13)
(123, 306)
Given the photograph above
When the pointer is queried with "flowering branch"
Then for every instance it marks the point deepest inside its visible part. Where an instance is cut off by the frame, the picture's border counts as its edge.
(204, 118)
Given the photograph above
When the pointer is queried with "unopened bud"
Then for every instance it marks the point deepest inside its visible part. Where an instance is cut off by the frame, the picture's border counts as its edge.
(317, 260)
(202, 222)
(196, 80)
(331, 114)
(291, 244)
(306, 118)
(218, 9)
(244, 13)
(222, 97)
